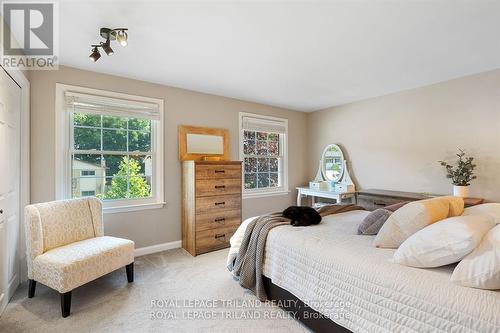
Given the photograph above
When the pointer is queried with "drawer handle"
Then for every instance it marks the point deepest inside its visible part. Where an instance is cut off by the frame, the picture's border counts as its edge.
(220, 237)
(220, 171)
(219, 187)
(379, 203)
(220, 220)
(220, 203)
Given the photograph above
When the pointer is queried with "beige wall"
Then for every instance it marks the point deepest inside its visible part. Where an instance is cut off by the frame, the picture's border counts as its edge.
(395, 141)
(151, 227)
(391, 142)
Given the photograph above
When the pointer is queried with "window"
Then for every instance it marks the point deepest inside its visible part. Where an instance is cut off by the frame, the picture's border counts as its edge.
(263, 147)
(119, 148)
(111, 148)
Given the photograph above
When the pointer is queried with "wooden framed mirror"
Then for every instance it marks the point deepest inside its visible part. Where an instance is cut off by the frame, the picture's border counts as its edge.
(203, 143)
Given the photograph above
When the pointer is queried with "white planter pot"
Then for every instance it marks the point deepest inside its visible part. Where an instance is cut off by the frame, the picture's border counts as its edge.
(461, 191)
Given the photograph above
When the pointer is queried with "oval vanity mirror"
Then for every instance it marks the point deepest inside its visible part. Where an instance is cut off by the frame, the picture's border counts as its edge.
(332, 163)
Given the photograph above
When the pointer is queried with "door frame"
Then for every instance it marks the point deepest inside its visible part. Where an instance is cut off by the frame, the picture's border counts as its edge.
(24, 186)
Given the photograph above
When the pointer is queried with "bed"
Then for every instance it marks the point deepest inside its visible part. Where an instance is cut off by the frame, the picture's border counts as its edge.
(341, 276)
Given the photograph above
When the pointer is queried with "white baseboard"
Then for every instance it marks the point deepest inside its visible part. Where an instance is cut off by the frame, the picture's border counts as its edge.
(3, 302)
(142, 251)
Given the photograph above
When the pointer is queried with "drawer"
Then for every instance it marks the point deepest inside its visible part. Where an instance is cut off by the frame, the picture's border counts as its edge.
(215, 171)
(218, 219)
(213, 239)
(206, 187)
(374, 202)
(219, 203)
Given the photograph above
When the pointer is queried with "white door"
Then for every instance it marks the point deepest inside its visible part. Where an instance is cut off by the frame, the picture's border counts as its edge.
(10, 111)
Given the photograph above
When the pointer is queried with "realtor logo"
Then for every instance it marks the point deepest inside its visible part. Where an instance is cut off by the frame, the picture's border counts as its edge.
(29, 35)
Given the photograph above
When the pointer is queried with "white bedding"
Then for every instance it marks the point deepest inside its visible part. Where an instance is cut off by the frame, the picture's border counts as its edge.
(329, 265)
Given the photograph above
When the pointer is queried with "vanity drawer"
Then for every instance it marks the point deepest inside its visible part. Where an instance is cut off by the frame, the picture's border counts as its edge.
(216, 171)
(218, 203)
(207, 187)
(213, 239)
(218, 219)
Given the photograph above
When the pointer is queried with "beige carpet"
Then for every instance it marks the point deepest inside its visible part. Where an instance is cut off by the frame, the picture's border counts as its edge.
(162, 299)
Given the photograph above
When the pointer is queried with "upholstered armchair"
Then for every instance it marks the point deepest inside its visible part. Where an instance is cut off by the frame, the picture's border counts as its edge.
(66, 247)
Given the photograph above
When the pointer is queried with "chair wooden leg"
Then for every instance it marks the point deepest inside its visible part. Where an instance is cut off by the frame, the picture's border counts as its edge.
(65, 303)
(31, 288)
(130, 272)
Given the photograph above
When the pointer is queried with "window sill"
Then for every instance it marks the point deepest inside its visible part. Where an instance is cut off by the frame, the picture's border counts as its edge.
(264, 194)
(132, 208)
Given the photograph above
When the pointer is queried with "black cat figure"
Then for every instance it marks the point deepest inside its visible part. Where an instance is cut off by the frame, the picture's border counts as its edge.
(302, 216)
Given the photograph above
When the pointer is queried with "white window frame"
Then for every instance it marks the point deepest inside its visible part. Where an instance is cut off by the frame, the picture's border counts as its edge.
(257, 193)
(63, 151)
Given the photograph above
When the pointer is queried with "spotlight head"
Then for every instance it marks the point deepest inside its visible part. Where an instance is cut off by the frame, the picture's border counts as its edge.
(122, 37)
(95, 55)
(107, 48)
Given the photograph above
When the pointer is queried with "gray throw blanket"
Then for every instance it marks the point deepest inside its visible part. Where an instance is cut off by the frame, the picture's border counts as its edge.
(248, 263)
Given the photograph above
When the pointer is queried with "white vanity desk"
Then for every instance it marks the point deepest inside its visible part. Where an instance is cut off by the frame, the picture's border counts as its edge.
(313, 193)
(332, 168)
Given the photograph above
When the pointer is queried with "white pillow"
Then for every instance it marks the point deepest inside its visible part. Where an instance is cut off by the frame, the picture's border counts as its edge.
(444, 242)
(491, 209)
(481, 268)
(415, 216)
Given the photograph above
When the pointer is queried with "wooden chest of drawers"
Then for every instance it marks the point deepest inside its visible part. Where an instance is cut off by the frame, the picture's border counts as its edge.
(211, 204)
(374, 198)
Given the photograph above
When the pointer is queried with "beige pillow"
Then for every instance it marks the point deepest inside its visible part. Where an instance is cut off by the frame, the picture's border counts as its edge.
(443, 243)
(490, 209)
(456, 205)
(481, 268)
(415, 216)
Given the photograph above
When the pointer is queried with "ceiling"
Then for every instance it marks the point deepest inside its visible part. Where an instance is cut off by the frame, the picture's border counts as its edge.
(302, 55)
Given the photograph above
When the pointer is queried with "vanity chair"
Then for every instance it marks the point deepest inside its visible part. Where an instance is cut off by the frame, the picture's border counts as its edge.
(66, 247)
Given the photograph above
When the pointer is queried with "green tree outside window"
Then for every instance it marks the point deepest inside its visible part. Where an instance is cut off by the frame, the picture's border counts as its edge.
(128, 182)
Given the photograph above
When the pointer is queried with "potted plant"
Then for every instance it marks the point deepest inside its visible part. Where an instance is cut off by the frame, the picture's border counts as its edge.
(461, 175)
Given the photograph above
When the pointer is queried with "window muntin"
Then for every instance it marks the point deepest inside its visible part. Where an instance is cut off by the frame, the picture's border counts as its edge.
(118, 149)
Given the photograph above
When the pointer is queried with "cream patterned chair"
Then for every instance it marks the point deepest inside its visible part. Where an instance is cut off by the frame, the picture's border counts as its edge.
(66, 247)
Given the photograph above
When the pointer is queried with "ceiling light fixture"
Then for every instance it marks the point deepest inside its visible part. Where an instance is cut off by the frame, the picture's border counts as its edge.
(95, 55)
(107, 48)
(121, 37)
(119, 34)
